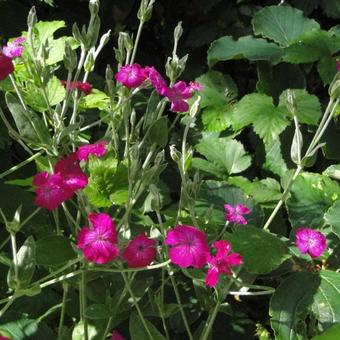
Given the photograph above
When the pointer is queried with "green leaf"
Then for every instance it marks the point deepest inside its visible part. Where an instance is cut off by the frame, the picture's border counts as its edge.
(138, 332)
(212, 197)
(78, 331)
(274, 160)
(29, 125)
(258, 109)
(216, 119)
(159, 132)
(272, 80)
(26, 263)
(108, 182)
(254, 245)
(308, 107)
(311, 46)
(263, 191)
(57, 48)
(46, 29)
(98, 311)
(332, 333)
(327, 69)
(218, 89)
(326, 305)
(248, 47)
(47, 255)
(95, 100)
(289, 305)
(24, 329)
(228, 155)
(283, 24)
(331, 8)
(332, 217)
(311, 196)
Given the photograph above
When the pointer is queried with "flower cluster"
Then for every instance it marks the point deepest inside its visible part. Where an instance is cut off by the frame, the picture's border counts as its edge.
(100, 243)
(133, 75)
(67, 177)
(310, 241)
(84, 87)
(10, 51)
(189, 247)
(235, 214)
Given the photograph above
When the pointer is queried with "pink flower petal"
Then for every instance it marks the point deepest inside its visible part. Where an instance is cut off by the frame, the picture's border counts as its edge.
(131, 76)
(97, 149)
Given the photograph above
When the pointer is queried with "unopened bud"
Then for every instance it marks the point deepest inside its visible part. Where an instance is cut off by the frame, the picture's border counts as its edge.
(70, 58)
(178, 31)
(94, 7)
(175, 154)
(89, 62)
(32, 18)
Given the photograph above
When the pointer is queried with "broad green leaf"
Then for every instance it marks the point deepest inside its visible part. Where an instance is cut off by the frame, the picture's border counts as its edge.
(326, 304)
(272, 80)
(216, 119)
(248, 47)
(258, 109)
(57, 48)
(24, 328)
(333, 171)
(289, 305)
(29, 124)
(218, 89)
(263, 191)
(274, 160)
(254, 244)
(138, 332)
(95, 100)
(47, 255)
(212, 197)
(332, 217)
(327, 69)
(108, 182)
(311, 196)
(159, 132)
(332, 333)
(228, 155)
(46, 29)
(283, 24)
(311, 46)
(26, 263)
(98, 311)
(308, 107)
(331, 8)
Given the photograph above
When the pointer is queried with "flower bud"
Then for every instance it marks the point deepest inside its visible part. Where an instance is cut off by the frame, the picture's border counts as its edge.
(94, 7)
(32, 18)
(175, 154)
(70, 57)
(89, 61)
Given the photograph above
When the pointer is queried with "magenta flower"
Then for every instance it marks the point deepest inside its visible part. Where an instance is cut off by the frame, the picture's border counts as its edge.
(140, 252)
(69, 168)
(14, 49)
(195, 86)
(178, 94)
(310, 241)
(221, 263)
(99, 243)
(156, 80)
(6, 66)
(50, 190)
(188, 246)
(2, 337)
(131, 76)
(97, 149)
(235, 214)
(84, 87)
(117, 336)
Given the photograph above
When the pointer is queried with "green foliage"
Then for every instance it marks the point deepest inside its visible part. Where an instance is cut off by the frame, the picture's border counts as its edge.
(330, 334)
(289, 305)
(138, 331)
(255, 244)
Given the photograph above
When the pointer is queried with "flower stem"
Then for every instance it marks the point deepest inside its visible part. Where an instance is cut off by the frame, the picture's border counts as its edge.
(127, 284)
(63, 307)
(135, 45)
(15, 258)
(178, 298)
(83, 304)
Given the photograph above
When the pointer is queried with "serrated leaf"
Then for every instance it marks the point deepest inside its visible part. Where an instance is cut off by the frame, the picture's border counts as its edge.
(274, 160)
(311, 46)
(289, 305)
(308, 107)
(326, 304)
(216, 119)
(57, 48)
(248, 47)
(225, 153)
(327, 69)
(311, 196)
(46, 29)
(283, 24)
(95, 100)
(254, 245)
(258, 109)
